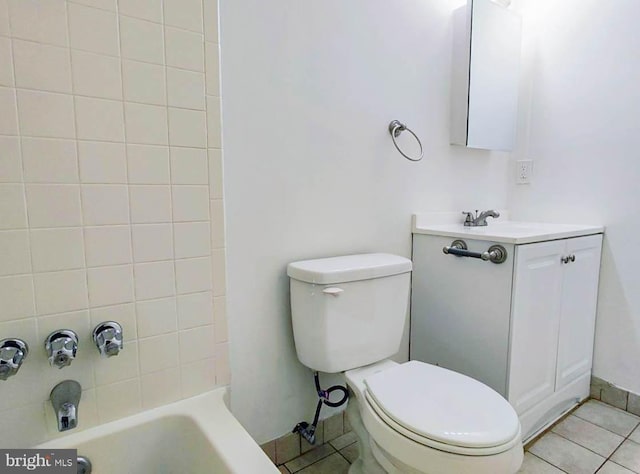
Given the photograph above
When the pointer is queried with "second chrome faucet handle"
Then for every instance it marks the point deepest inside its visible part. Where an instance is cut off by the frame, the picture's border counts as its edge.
(108, 338)
(61, 347)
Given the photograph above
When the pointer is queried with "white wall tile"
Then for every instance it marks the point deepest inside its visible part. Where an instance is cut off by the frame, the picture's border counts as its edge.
(45, 114)
(93, 30)
(99, 119)
(156, 317)
(57, 249)
(141, 40)
(144, 82)
(198, 377)
(146, 124)
(158, 353)
(192, 239)
(190, 203)
(189, 166)
(215, 174)
(212, 61)
(58, 292)
(4, 18)
(103, 4)
(214, 122)
(110, 285)
(217, 224)
(185, 14)
(187, 128)
(219, 274)
(118, 400)
(96, 75)
(223, 370)
(49, 160)
(6, 63)
(102, 162)
(17, 296)
(40, 66)
(148, 164)
(53, 205)
(8, 118)
(15, 257)
(154, 280)
(196, 344)
(123, 366)
(44, 21)
(105, 204)
(28, 426)
(220, 319)
(185, 89)
(150, 204)
(107, 245)
(210, 8)
(147, 9)
(195, 310)
(184, 49)
(152, 242)
(12, 207)
(193, 275)
(10, 162)
(160, 388)
(124, 314)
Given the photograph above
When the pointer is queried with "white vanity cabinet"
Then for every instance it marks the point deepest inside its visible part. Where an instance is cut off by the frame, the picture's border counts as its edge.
(525, 327)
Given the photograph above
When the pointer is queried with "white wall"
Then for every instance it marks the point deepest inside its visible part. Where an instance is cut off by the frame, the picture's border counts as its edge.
(105, 203)
(584, 119)
(309, 88)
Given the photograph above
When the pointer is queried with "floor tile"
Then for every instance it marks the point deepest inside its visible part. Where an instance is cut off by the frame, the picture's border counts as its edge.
(310, 457)
(566, 455)
(608, 417)
(344, 440)
(593, 437)
(534, 465)
(635, 436)
(287, 447)
(628, 455)
(351, 452)
(283, 470)
(613, 468)
(334, 464)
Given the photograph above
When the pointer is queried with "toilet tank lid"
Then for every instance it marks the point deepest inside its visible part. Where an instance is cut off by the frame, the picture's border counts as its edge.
(348, 268)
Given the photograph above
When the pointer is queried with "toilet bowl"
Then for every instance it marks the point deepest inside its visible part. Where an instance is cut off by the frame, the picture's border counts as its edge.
(419, 418)
(348, 315)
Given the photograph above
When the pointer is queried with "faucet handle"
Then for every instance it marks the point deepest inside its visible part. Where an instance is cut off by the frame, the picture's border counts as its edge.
(13, 352)
(468, 220)
(108, 338)
(61, 346)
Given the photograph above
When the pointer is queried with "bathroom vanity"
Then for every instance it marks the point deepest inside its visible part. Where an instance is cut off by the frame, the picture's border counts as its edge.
(524, 326)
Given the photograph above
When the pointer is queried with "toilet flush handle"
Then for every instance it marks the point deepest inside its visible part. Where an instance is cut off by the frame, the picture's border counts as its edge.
(333, 291)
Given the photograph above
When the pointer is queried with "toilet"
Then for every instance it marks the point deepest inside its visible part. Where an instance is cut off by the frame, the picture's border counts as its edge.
(348, 316)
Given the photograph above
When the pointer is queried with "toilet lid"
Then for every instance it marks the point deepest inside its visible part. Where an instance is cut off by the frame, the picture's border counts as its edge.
(443, 405)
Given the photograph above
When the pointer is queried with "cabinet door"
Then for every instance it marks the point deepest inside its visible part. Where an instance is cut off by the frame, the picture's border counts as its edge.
(578, 311)
(535, 317)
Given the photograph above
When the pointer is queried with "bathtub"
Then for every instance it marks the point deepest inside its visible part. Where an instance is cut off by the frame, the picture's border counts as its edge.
(194, 436)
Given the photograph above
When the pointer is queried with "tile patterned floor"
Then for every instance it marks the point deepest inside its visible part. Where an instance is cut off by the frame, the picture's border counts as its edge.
(595, 438)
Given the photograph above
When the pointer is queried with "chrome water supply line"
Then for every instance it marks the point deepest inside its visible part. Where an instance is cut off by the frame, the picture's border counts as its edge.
(308, 431)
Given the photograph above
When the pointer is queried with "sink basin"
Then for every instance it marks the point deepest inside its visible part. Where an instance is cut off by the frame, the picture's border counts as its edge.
(503, 231)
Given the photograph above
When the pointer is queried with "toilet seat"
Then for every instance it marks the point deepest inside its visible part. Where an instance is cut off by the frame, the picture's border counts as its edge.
(442, 409)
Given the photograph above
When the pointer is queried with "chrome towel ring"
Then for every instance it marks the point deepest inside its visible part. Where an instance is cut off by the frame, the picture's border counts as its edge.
(395, 129)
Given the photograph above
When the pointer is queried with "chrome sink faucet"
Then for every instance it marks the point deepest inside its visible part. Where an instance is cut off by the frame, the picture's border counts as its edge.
(65, 398)
(480, 220)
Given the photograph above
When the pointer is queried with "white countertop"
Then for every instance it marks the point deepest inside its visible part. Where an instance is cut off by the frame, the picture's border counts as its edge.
(504, 231)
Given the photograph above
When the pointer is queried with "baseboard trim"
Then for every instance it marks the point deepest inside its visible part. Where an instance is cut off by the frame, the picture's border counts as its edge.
(615, 396)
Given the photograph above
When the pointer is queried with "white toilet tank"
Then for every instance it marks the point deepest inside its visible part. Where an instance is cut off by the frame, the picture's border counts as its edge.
(348, 311)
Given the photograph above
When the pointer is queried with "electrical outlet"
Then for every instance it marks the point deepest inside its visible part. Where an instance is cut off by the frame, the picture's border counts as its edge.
(524, 168)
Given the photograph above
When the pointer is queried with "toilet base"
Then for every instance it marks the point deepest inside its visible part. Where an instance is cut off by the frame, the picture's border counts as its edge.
(373, 459)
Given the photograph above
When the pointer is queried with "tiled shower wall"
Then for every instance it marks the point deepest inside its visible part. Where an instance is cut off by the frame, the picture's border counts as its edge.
(110, 203)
